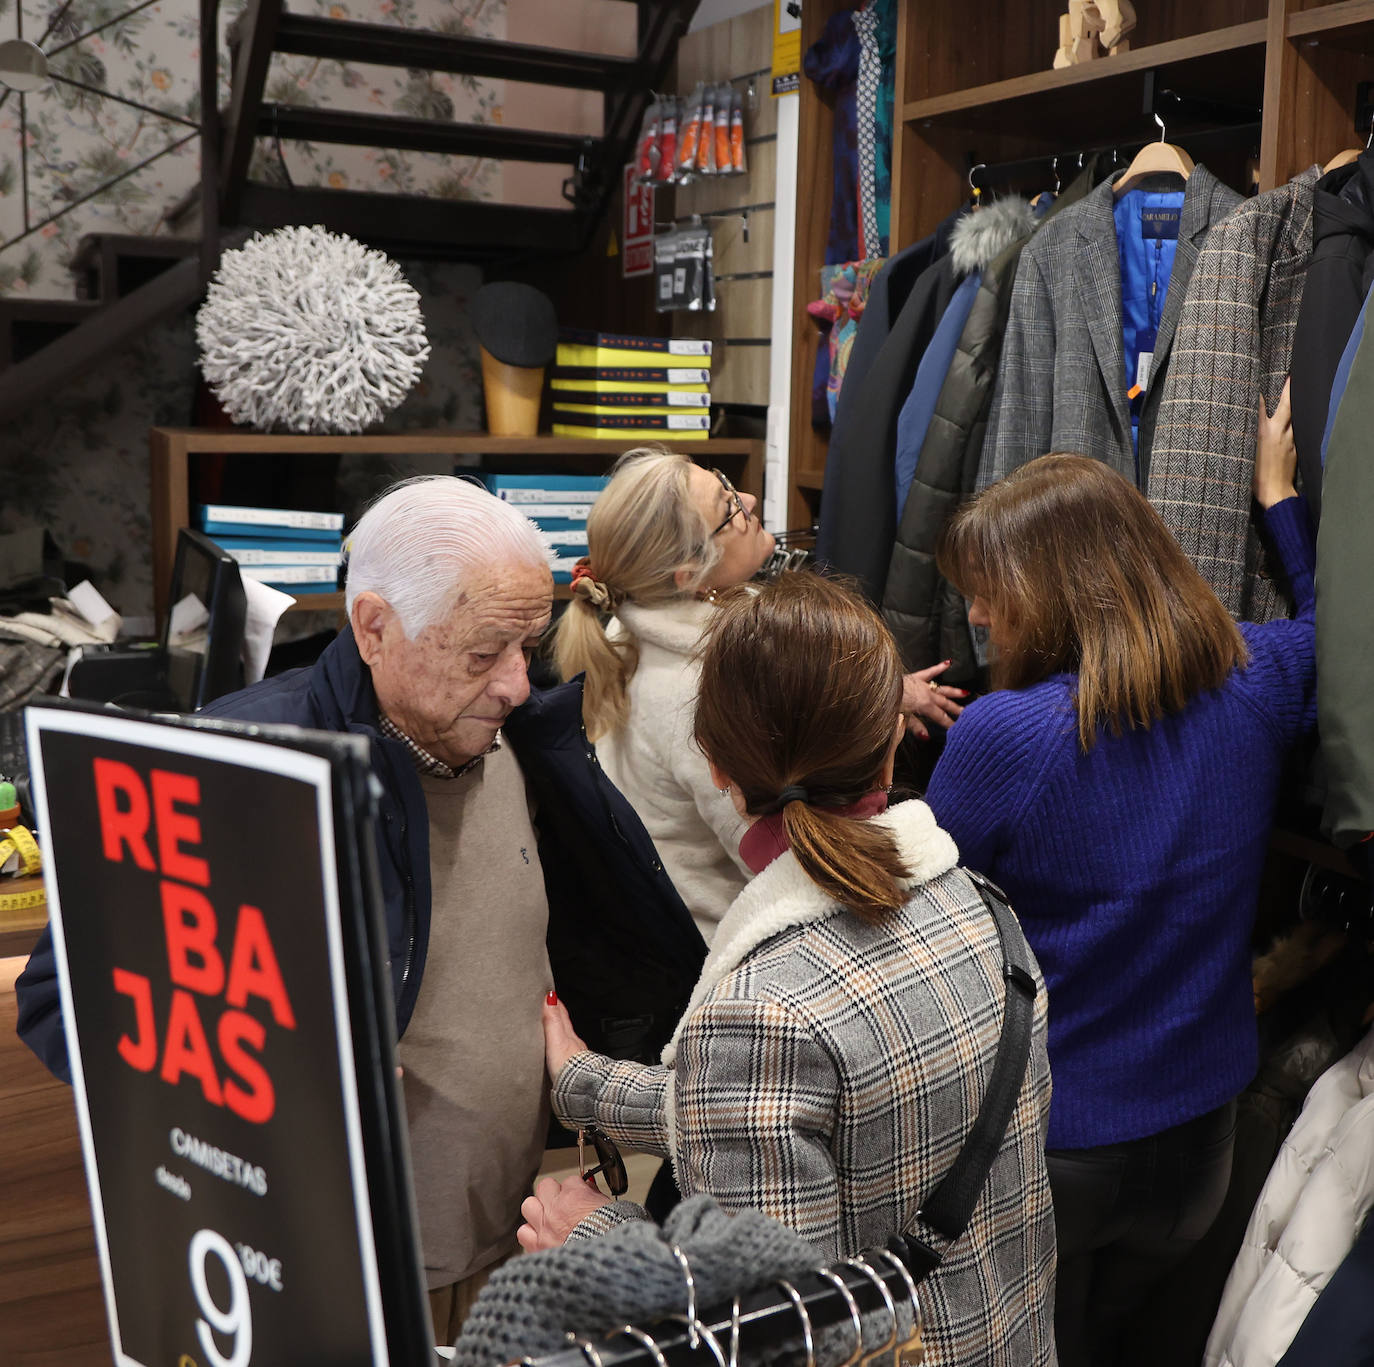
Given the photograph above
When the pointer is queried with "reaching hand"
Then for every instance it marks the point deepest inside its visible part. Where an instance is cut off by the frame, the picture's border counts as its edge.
(923, 700)
(1276, 457)
(554, 1210)
(561, 1041)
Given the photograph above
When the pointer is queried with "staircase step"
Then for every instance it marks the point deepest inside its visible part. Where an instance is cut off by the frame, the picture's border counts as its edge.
(492, 140)
(108, 266)
(91, 330)
(408, 225)
(343, 40)
(28, 325)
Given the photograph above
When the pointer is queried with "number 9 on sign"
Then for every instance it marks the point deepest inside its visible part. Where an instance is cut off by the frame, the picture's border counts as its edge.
(237, 1320)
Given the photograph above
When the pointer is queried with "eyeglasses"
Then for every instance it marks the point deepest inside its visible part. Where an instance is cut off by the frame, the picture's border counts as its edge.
(736, 505)
(609, 1162)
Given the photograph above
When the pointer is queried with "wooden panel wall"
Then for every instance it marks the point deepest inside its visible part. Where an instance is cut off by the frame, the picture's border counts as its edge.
(739, 209)
(52, 1310)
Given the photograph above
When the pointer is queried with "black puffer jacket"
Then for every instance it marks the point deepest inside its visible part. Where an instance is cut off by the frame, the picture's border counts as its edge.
(1339, 276)
(927, 614)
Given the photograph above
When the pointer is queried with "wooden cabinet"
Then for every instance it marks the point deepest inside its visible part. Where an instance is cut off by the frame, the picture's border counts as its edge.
(173, 448)
(974, 84)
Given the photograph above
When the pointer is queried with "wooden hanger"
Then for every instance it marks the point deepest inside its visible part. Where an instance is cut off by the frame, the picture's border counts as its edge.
(1343, 158)
(1154, 159)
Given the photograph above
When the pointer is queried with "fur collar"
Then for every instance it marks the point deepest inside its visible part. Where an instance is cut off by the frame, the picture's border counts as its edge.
(977, 239)
(782, 896)
(674, 626)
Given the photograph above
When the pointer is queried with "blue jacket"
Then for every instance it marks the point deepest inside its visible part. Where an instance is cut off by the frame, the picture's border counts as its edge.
(624, 949)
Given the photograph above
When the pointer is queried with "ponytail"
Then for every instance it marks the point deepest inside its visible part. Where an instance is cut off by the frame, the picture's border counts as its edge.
(643, 531)
(582, 646)
(854, 862)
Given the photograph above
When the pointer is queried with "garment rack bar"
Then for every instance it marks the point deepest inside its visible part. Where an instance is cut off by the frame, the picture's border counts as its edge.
(767, 1320)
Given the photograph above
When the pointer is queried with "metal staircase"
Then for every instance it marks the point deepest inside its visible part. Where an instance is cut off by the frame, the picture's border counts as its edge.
(125, 284)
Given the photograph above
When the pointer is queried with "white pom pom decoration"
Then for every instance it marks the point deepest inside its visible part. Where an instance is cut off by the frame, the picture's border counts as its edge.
(310, 331)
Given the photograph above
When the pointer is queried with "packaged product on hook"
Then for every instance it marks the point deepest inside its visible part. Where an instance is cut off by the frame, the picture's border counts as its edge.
(684, 273)
(668, 123)
(706, 142)
(647, 156)
(727, 101)
(691, 135)
(738, 164)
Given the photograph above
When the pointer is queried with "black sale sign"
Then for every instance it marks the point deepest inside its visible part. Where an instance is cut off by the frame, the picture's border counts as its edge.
(195, 906)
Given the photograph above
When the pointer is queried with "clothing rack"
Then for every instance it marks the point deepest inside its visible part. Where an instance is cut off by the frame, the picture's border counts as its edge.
(1070, 162)
(1163, 104)
(766, 1319)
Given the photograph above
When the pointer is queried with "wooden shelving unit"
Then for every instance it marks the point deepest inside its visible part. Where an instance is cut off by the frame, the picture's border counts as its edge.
(171, 449)
(975, 83)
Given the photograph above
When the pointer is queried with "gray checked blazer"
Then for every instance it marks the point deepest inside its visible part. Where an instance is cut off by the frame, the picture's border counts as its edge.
(1232, 348)
(1062, 382)
(827, 1071)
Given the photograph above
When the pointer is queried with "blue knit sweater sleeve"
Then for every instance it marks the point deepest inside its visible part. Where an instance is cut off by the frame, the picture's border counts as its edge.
(988, 771)
(1281, 679)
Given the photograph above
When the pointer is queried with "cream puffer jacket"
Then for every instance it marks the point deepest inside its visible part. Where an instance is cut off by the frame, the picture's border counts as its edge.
(1312, 1207)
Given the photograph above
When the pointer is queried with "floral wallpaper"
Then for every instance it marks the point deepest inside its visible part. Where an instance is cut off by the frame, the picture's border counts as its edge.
(110, 144)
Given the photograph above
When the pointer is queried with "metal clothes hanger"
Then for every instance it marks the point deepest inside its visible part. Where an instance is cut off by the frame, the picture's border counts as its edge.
(974, 189)
(704, 1335)
(1054, 171)
(808, 1338)
(694, 1325)
(869, 1358)
(587, 1347)
(647, 1340)
(1154, 159)
(913, 1340)
(855, 1318)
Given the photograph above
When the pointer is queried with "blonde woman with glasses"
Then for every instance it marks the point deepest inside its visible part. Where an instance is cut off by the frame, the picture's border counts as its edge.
(665, 536)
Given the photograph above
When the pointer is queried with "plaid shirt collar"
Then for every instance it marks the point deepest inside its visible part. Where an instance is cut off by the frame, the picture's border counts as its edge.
(427, 764)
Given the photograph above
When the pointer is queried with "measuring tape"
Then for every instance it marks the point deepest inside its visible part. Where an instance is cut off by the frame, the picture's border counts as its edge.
(17, 840)
(23, 901)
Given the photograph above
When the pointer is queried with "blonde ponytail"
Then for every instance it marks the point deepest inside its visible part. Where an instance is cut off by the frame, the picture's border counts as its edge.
(643, 529)
(582, 646)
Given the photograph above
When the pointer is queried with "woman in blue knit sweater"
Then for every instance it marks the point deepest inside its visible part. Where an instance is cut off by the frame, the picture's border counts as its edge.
(1119, 783)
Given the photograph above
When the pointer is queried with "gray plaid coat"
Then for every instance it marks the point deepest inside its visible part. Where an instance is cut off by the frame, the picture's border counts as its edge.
(1062, 381)
(827, 1072)
(1232, 348)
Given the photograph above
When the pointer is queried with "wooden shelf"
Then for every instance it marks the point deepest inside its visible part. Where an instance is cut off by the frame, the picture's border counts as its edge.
(233, 441)
(809, 479)
(170, 450)
(1346, 20)
(1099, 100)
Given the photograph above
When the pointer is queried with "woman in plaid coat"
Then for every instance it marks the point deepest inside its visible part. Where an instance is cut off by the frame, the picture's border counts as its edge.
(841, 1037)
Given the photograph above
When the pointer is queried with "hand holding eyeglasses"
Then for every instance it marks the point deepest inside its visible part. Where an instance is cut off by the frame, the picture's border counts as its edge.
(554, 1210)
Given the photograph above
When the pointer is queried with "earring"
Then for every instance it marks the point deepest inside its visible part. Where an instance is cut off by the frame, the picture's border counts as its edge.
(724, 792)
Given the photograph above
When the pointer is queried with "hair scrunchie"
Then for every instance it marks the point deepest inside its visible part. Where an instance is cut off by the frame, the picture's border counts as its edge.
(794, 792)
(586, 585)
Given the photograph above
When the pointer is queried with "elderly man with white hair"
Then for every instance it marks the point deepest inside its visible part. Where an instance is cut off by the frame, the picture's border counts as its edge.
(508, 860)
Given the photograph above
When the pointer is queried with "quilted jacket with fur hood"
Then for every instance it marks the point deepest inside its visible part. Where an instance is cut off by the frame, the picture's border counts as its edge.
(926, 613)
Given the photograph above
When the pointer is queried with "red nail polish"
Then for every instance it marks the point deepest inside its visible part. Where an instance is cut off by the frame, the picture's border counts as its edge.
(551, 999)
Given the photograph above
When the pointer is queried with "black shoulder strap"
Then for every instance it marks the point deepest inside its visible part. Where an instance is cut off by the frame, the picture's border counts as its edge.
(949, 1207)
